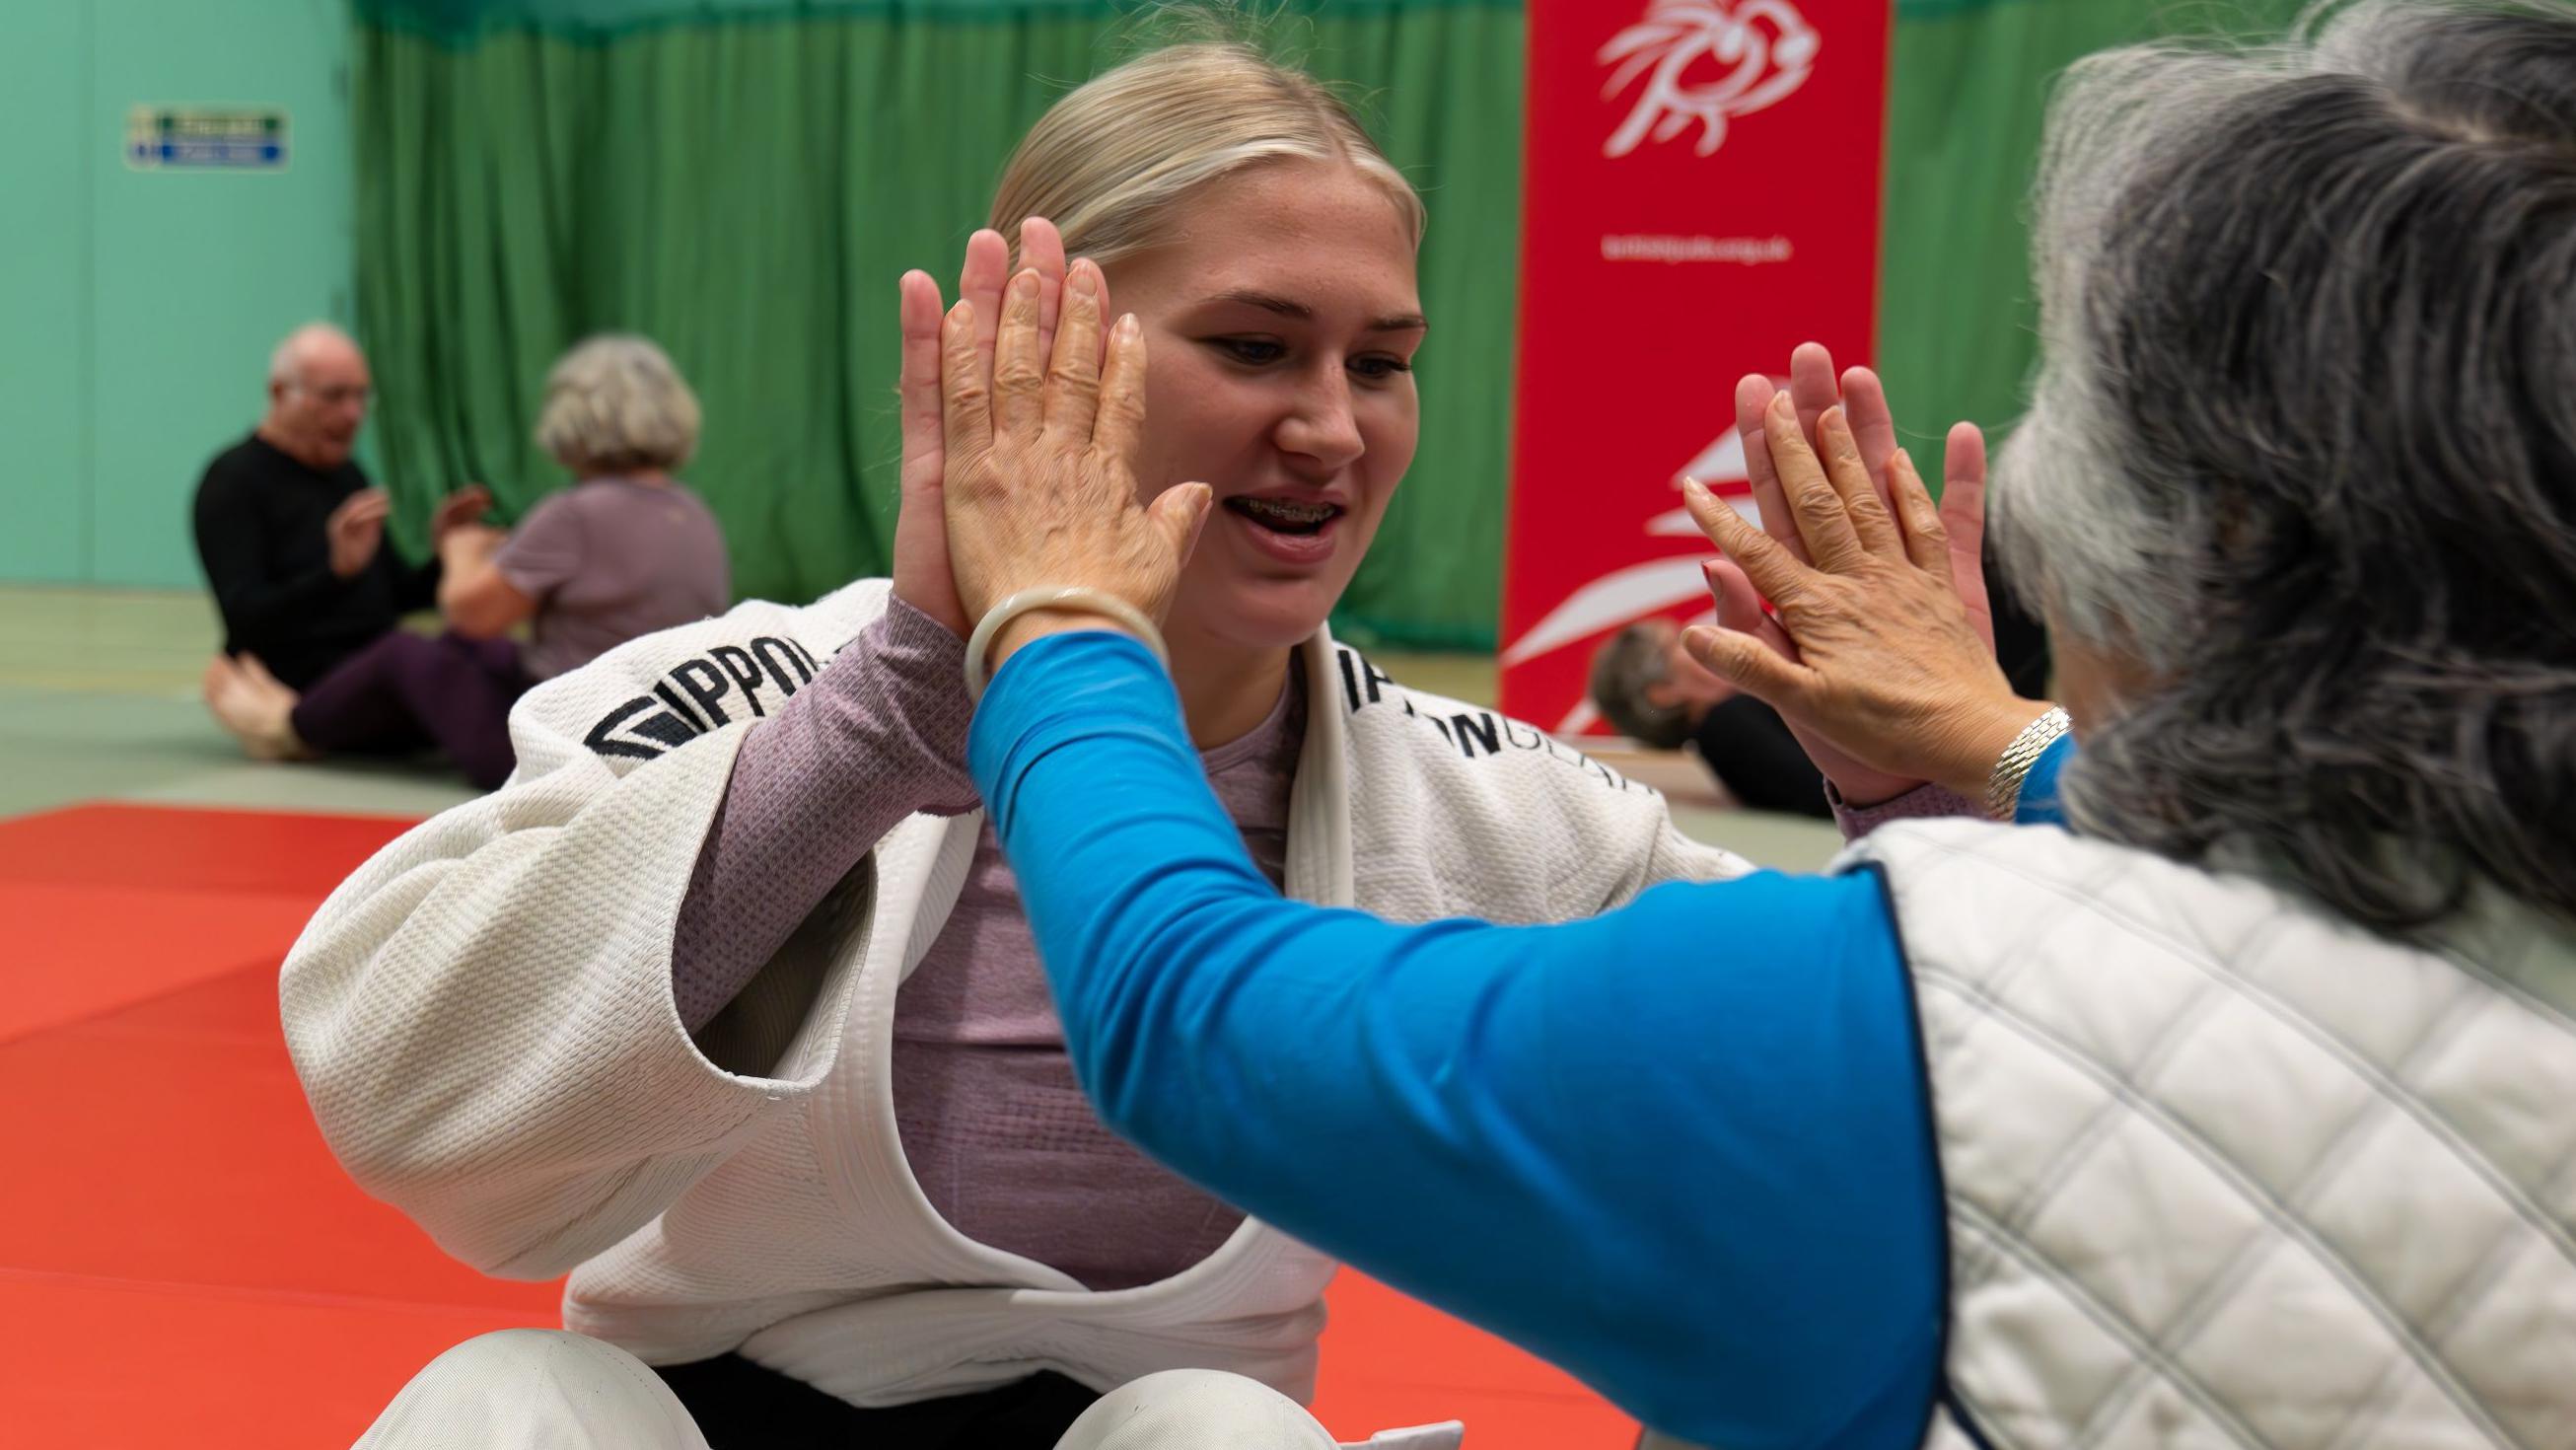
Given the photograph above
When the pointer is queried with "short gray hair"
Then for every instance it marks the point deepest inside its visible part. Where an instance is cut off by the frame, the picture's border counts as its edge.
(1624, 674)
(614, 404)
(286, 363)
(2304, 445)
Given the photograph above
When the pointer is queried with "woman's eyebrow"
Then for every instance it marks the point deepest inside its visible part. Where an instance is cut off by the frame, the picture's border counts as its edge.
(1289, 307)
(1267, 302)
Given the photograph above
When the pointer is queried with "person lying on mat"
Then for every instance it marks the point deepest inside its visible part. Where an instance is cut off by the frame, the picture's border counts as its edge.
(2235, 1115)
(726, 1004)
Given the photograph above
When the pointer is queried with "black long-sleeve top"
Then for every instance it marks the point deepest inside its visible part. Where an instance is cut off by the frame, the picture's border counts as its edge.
(260, 517)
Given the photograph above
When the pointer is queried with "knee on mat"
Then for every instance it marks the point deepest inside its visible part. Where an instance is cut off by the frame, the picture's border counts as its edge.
(1195, 1409)
(506, 1351)
(534, 1387)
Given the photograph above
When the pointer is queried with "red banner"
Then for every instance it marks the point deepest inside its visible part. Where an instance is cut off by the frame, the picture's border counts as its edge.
(1700, 195)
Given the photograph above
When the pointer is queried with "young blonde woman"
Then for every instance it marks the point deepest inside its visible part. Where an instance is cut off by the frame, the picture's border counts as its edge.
(726, 1005)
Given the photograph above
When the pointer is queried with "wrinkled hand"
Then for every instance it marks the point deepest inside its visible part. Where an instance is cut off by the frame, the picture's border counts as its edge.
(1041, 484)
(467, 505)
(1884, 661)
(921, 572)
(356, 530)
(1813, 389)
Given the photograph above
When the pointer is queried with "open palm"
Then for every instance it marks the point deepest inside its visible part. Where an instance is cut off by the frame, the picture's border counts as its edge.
(1813, 387)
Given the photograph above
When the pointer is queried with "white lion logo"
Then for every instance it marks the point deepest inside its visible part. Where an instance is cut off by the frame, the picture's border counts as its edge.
(1768, 48)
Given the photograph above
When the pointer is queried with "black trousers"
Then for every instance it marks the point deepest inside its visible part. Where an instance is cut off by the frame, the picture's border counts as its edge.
(1748, 747)
(741, 1406)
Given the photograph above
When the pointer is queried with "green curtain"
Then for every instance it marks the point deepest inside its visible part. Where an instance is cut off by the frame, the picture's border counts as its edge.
(745, 182)
(1958, 321)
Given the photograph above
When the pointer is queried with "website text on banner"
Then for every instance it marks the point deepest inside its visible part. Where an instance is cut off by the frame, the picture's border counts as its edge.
(1701, 195)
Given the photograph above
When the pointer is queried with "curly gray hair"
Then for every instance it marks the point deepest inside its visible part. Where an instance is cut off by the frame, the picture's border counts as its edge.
(2304, 445)
(614, 404)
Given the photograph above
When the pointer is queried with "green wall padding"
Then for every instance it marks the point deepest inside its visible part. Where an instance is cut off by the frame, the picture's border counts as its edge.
(1958, 320)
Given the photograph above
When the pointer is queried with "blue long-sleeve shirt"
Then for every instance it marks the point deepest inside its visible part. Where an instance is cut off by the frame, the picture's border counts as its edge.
(1682, 1149)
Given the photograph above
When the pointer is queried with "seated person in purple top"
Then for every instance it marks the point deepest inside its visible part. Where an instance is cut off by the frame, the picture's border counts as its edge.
(624, 552)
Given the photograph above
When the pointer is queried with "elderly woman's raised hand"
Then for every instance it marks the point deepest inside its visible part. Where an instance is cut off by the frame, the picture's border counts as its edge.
(921, 577)
(465, 506)
(1881, 658)
(1041, 488)
(1813, 388)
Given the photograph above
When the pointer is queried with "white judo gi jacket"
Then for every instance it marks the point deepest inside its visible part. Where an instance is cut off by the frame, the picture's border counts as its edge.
(483, 1021)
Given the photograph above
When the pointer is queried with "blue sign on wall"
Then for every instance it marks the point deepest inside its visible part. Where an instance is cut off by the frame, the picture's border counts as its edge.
(227, 138)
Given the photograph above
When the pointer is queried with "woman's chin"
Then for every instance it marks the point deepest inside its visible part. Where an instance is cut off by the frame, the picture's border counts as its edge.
(1260, 614)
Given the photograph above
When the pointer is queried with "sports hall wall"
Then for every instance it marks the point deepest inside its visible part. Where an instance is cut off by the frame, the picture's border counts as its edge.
(137, 307)
(743, 180)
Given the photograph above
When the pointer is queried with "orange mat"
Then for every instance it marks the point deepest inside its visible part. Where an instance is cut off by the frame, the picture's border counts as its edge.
(181, 1261)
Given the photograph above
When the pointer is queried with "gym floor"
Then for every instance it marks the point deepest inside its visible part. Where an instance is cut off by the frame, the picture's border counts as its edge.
(181, 1261)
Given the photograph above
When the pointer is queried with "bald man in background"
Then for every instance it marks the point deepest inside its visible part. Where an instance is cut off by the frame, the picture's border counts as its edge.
(292, 535)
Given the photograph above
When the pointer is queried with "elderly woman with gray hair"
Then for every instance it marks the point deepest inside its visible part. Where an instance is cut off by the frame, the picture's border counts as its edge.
(2215, 1092)
(624, 552)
